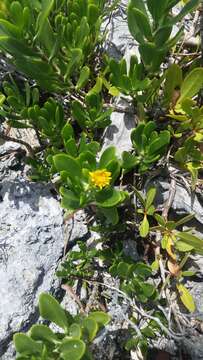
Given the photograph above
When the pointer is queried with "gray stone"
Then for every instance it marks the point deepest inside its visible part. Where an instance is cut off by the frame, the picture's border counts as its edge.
(184, 202)
(130, 249)
(31, 245)
(76, 228)
(118, 133)
(192, 348)
(118, 38)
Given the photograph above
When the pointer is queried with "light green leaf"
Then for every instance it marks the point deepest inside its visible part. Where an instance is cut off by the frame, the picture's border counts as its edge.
(47, 6)
(2, 99)
(91, 327)
(191, 84)
(51, 310)
(181, 246)
(191, 240)
(144, 227)
(67, 163)
(72, 349)
(173, 80)
(43, 333)
(100, 317)
(27, 346)
(142, 21)
(75, 331)
(108, 155)
(108, 198)
(157, 10)
(111, 215)
(151, 193)
(186, 297)
(84, 76)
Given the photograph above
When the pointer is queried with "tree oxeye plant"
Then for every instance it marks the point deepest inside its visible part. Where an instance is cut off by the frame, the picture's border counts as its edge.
(72, 340)
(85, 179)
(64, 90)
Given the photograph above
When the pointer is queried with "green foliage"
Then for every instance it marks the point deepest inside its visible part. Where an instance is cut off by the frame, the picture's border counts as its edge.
(91, 115)
(78, 188)
(57, 46)
(79, 264)
(134, 279)
(41, 343)
(21, 109)
(147, 209)
(149, 146)
(151, 25)
(51, 41)
(128, 82)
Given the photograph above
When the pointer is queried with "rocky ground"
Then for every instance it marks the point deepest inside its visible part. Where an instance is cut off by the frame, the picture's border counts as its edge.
(33, 236)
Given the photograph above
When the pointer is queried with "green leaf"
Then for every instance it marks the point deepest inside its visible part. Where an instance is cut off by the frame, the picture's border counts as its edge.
(75, 331)
(113, 90)
(93, 14)
(75, 59)
(142, 22)
(148, 289)
(129, 161)
(132, 25)
(122, 270)
(7, 28)
(188, 273)
(71, 147)
(16, 11)
(108, 198)
(173, 80)
(136, 136)
(191, 84)
(91, 326)
(65, 162)
(162, 35)
(157, 10)
(111, 215)
(47, 6)
(160, 219)
(97, 88)
(142, 269)
(191, 240)
(72, 349)
(108, 155)
(26, 346)
(79, 114)
(67, 132)
(2, 99)
(84, 76)
(191, 4)
(43, 332)
(140, 197)
(144, 227)
(70, 200)
(185, 219)
(51, 310)
(151, 193)
(100, 317)
(186, 297)
(148, 52)
(160, 142)
(183, 247)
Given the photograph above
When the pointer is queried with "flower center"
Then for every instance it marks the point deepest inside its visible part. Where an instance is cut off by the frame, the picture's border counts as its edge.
(100, 178)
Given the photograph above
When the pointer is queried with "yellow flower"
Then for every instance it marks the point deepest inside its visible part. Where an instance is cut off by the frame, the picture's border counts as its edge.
(100, 178)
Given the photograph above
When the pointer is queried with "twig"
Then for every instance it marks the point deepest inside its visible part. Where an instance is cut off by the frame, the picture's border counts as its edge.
(170, 199)
(201, 30)
(18, 141)
(70, 291)
(141, 312)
